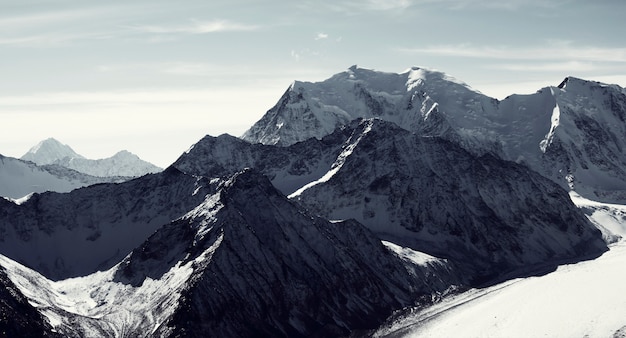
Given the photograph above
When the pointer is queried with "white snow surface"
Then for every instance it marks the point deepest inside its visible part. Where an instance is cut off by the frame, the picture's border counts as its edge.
(586, 299)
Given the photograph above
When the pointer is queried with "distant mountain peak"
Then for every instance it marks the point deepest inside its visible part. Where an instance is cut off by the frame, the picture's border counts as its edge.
(123, 163)
(49, 151)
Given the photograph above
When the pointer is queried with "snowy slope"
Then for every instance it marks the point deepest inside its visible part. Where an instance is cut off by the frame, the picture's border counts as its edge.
(19, 178)
(577, 300)
(97, 305)
(18, 318)
(123, 163)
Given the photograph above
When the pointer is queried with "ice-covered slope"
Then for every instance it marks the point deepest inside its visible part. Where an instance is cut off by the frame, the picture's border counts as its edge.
(573, 133)
(122, 164)
(19, 178)
(244, 262)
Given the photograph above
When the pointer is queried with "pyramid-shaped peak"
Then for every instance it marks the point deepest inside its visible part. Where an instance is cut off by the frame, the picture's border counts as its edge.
(49, 151)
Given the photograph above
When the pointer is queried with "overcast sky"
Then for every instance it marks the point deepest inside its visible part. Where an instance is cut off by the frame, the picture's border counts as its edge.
(153, 77)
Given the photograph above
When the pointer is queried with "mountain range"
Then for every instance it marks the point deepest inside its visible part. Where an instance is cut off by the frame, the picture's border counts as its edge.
(351, 201)
(123, 163)
(572, 133)
(53, 166)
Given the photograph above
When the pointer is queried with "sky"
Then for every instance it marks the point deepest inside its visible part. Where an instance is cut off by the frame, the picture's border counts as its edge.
(153, 77)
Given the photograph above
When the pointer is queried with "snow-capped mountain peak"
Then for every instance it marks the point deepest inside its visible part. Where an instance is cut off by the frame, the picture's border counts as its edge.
(122, 164)
(407, 99)
(49, 151)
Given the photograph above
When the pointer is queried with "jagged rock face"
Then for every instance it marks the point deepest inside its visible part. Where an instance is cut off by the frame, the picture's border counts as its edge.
(424, 192)
(586, 145)
(273, 270)
(245, 261)
(437, 198)
(17, 317)
(92, 228)
(288, 168)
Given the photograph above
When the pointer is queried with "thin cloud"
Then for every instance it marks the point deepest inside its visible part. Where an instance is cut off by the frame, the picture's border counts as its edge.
(386, 5)
(321, 36)
(197, 27)
(352, 6)
(559, 51)
(47, 18)
(295, 55)
(50, 39)
(503, 4)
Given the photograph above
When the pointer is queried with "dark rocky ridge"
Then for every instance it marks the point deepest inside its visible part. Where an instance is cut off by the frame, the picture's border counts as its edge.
(278, 272)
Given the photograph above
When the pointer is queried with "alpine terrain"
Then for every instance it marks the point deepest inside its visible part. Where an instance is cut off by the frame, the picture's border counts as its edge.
(369, 204)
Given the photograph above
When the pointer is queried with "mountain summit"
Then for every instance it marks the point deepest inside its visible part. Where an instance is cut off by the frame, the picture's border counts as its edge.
(49, 151)
(317, 109)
